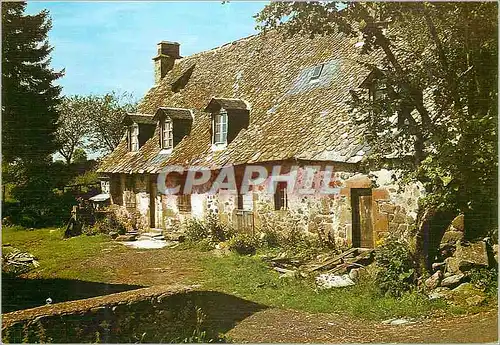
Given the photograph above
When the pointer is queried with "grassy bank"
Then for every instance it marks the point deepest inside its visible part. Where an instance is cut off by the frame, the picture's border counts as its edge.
(58, 257)
(96, 259)
(248, 277)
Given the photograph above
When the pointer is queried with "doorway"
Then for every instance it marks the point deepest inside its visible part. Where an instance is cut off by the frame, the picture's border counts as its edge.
(152, 203)
(362, 226)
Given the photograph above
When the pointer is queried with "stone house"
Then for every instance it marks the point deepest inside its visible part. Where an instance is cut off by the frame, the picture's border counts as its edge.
(259, 101)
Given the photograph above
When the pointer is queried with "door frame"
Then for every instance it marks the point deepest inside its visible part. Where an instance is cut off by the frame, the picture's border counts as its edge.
(356, 193)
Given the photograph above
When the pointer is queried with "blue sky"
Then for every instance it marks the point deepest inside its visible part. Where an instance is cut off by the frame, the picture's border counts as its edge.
(107, 46)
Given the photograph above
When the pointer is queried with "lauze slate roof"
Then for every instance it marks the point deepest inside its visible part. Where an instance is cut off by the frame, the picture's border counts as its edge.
(290, 117)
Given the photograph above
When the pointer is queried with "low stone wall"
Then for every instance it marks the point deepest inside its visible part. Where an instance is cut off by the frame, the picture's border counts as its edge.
(156, 314)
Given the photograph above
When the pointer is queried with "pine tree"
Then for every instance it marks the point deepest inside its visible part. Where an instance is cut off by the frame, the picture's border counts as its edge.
(29, 96)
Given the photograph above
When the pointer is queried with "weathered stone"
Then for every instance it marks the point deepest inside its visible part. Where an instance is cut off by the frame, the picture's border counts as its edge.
(457, 224)
(452, 281)
(433, 281)
(438, 266)
(439, 292)
(389, 208)
(475, 300)
(354, 274)
(474, 254)
(451, 237)
(467, 257)
(113, 234)
(452, 265)
(399, 218)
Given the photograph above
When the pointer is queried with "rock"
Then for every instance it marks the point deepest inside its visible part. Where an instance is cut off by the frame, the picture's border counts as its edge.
(467, 257)
(452, 281)
(328, 280)
(457, 224)
(475, 300)
(451, 237)
(438, 266)
(354, 274)
(495, 252)
(433, 281)
(113, 234)
(452, 265)
(439, 292)
(467, 293)
(397, 322)
(125, 238)
(463, 288)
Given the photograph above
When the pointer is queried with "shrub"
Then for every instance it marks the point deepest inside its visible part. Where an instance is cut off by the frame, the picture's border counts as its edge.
(106, 225)
(396, 268)
(485, 279)
(196, 230)
(211, 229)
(244, 244)
(218, 231)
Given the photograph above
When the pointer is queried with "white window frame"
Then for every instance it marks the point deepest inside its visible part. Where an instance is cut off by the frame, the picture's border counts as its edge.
(167, 137)
(134, 137)
(220, 121)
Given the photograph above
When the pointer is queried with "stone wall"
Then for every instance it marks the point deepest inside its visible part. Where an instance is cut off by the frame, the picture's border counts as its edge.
(159, 314)
(329, 217)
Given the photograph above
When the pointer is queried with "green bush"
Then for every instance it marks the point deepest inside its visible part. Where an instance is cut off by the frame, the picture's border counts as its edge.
(244, 244)
(108, 224)
(210, 229)
(196, 230)
(218, 231)
(396, 273)
(485, 279)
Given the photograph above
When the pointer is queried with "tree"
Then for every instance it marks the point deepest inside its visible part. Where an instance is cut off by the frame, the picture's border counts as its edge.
(92, 122)
(80, 156)
(74, 126)
(29, 96)
(439, 70)
(105, 117)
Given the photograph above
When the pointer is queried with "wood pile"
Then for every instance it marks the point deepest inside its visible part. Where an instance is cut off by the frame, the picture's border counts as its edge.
(329, 263)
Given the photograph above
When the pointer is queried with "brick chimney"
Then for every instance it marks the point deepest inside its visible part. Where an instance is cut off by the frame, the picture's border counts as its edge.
(168, 52)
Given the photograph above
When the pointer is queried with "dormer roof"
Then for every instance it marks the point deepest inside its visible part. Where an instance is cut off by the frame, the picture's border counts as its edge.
(227, 103)
(131, 118)
(174, 113)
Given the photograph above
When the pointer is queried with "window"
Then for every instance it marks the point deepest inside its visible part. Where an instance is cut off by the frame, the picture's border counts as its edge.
(239, 201)
(317, 72)
(378, 90)
(167, 138)
(220, 127)
(184, 202)
(134, 137)
(280, 197)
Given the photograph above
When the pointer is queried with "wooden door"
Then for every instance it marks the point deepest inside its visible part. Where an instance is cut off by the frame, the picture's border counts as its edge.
(152, 203)
(362, 226)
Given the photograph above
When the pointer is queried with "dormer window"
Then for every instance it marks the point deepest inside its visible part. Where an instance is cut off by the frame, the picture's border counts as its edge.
(316, 73)
(140, 128)
(220, 127)
(229, 116)
(133, 137)
(167, 137)
(174, 124)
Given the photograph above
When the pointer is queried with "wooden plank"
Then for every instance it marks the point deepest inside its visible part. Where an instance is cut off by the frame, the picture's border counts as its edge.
(334, 259)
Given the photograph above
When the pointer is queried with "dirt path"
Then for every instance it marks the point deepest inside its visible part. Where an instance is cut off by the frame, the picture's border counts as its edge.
(290, 326)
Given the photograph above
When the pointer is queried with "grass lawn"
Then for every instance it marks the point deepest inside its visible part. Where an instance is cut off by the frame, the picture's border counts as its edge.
(248, 277)
(58, 257)
(97, 259)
